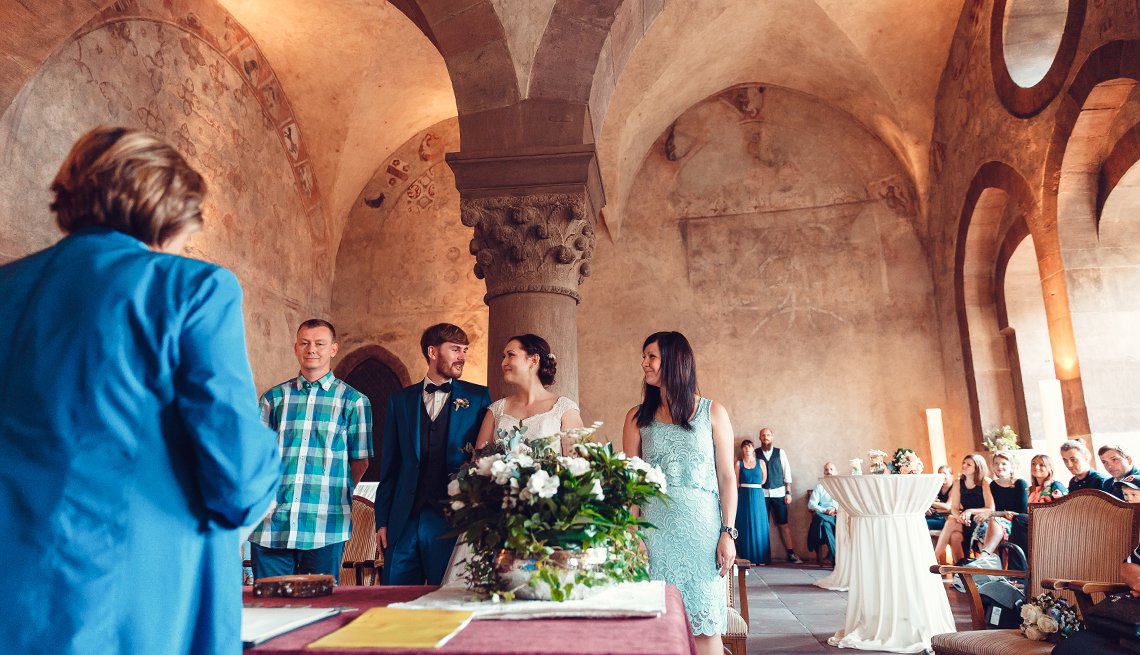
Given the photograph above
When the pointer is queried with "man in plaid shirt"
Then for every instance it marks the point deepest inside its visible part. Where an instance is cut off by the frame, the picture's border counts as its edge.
(324, 430)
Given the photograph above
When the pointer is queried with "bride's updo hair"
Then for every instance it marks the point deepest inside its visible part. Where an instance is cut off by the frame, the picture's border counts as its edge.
(532, 345)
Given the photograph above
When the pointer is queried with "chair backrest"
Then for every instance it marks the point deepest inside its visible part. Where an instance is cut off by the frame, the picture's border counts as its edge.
(1082, 536)
(362, 544)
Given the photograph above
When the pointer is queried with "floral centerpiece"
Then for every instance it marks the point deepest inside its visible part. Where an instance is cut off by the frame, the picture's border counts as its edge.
(1048, 618)
(877, 462)
(1003, 438)
(543, 525)
(906, 462)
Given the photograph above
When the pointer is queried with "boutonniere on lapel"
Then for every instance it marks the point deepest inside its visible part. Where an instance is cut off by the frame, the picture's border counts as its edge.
(460, 403)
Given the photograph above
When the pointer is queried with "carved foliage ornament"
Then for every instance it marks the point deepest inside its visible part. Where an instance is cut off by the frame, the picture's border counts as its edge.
(535, 243)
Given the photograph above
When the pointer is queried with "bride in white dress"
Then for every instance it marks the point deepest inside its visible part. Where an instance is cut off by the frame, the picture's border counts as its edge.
(529, 366)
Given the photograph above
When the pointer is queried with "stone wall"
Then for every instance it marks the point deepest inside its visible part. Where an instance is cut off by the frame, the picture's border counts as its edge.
(180, 79)
(778, 235)
(404, 261)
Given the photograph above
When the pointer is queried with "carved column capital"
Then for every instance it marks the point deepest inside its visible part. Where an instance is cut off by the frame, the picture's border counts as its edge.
(539, 242)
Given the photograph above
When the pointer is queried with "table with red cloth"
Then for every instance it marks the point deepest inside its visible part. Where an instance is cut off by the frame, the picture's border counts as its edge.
(668, 634)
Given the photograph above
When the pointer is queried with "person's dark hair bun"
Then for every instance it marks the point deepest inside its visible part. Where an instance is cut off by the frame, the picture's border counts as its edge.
(532, 345)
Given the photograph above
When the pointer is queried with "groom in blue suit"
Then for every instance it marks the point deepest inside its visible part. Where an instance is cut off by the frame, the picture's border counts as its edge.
(425, 429)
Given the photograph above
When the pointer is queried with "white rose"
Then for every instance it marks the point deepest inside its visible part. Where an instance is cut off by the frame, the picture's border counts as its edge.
(483, 466)
(501, 472)
(457, 504)
(1030, 614)
(1033, 633)
(637, 464)
(543, 484)
(656, 476)
(576, 465)
(1047, 625)
(525, 461)
(453, 488)
(597, 490)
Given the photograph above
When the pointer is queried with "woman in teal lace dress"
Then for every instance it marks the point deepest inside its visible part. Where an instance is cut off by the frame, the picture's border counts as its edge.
(690, 438)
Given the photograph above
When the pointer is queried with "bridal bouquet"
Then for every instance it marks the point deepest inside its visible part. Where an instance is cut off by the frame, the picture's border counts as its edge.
(906, 461)
(541, 525)
(1048, 618)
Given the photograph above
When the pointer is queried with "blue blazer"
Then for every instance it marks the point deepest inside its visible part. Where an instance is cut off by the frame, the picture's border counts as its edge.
(400, 448)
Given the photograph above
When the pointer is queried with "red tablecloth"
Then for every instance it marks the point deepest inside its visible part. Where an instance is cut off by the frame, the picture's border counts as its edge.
(668, 634)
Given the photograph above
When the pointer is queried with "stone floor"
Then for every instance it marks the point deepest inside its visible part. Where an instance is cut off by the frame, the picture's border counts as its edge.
(790, 615)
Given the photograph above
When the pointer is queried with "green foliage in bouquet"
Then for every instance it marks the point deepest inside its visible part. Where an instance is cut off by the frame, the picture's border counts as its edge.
(528, 500)
(1003, 438)
(906, 462)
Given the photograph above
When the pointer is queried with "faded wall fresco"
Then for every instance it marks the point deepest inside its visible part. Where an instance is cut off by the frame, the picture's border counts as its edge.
(776, 233)
(404, 261)
(260, 220)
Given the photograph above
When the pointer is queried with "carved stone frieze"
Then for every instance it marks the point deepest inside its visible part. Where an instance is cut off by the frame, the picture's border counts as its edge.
(532, 243)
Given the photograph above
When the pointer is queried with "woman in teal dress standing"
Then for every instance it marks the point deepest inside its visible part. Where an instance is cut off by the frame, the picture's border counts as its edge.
(751, 508)
(690, 438)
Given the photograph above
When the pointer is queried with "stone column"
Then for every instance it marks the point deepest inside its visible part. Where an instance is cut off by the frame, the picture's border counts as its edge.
(534, 223)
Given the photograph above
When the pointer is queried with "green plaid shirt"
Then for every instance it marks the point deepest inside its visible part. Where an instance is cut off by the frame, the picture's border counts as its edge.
(320, 426)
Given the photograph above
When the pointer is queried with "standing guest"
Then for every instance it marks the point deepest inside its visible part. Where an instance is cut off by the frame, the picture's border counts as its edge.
(936, 515)
(970, 496)
(1077, 458)
(1119, 465)
(1011, 496)
(751, 508)
(823, 509)
(128, 419)
(425, 430)
(324, 431)
(690, 439)
(778, 490)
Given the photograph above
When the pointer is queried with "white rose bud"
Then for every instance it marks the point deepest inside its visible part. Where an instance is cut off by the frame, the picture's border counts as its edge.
(597, 490)
(453, 488)
(457, 504)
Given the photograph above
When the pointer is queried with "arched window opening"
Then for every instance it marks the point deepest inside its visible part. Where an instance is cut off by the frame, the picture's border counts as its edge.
(1031, 37)
(1027, 323)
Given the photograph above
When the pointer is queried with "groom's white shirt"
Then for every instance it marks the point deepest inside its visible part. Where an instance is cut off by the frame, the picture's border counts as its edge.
(433, 402)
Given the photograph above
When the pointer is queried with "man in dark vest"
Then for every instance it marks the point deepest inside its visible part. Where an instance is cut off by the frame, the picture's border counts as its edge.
(425, 429)
(778, 490)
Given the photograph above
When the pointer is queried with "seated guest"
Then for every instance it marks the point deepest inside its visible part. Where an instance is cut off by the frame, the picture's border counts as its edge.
(936, 515)
(1011, 496)
(823, 507)
(1088, 640)
(1044, 490)
(970, 496)
(1077, 458)
(1119, 466)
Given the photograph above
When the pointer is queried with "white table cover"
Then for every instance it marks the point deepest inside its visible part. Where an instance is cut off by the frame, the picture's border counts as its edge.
(626, 600)
(895, 603)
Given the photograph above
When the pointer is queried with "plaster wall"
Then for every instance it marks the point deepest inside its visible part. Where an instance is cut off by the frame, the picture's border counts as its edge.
(404, 262)
(777, 234)
(160, 77)
(1025, 310)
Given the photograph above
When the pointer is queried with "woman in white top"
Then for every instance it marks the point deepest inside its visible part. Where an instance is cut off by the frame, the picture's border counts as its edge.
(530, 367)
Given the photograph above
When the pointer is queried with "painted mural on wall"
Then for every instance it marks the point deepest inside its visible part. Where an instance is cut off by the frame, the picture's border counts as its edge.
(262, 221)
(762, 227)
(404, 261)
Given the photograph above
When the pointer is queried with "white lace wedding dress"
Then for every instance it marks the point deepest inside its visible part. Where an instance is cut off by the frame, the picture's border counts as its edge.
(537, 427)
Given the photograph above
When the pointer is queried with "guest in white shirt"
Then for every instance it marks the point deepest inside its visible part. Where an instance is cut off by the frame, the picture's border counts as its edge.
(823, 508)
(778, 490)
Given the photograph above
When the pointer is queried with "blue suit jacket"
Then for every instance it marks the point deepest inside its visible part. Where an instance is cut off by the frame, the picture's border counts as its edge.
(132, 450)
(400, 448)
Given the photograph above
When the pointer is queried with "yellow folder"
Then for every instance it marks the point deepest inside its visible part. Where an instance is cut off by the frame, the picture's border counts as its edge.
(385, 627)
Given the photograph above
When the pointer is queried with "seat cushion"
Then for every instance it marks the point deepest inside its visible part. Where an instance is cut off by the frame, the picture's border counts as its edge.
(736, 624)
(988, 642)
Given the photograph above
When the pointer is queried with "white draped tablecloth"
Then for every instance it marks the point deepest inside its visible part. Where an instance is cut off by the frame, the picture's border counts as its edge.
(895, 603)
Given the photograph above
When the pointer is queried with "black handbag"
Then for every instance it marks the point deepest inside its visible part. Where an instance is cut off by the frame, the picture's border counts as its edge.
(1117, 616)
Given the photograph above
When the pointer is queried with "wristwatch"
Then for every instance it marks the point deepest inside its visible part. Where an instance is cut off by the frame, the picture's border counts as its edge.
(732, 532)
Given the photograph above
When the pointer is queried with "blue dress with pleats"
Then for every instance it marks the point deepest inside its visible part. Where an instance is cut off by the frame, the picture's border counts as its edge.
(752, 517)
(682, 549)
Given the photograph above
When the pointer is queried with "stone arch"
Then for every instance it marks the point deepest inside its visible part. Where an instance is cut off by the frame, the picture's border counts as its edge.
(999, 208)
(1026, 102)
(1124, 154)
(373, 351)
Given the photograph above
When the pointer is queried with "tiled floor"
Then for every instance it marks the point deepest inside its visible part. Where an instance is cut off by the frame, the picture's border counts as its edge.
(788, 614)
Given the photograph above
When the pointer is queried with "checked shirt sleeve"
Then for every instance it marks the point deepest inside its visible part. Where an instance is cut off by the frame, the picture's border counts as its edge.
(359, 418)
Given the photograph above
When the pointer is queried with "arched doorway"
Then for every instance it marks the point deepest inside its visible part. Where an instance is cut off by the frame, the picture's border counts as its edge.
(376, 373)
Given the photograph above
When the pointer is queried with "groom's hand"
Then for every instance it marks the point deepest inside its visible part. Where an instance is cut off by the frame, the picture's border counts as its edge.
(381, 540)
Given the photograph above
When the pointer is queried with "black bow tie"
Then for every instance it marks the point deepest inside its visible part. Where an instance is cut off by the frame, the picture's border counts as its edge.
(432, 388)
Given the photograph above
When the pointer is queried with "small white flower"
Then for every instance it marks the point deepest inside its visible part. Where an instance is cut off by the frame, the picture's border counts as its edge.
(637, 464)
(1047, 625)
(458, 504)
(656, 476)
(525, 461)
(453, 488)
(1033, 633)
(576, 465)
(483, 466)
(501, 472)
(543, 484)
(1030, 613)
(597, 490)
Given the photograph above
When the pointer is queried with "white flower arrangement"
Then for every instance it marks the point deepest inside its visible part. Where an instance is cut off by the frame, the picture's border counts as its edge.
(878, 462)
(1003, 438)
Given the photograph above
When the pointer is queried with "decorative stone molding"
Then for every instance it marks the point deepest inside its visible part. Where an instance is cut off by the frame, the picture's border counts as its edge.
(531, 243)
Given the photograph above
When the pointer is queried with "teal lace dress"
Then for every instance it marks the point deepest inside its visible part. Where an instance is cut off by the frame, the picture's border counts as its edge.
(682, 550)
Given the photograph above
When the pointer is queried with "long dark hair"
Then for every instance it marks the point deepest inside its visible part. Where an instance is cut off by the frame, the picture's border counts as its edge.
(678, 377)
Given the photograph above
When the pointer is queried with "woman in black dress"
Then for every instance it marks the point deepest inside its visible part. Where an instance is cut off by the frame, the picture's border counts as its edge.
(970, 496)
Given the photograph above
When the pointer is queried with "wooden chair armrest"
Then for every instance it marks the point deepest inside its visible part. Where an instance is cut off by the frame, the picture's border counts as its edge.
(743, 563)
(1085, 586)
(965, 570)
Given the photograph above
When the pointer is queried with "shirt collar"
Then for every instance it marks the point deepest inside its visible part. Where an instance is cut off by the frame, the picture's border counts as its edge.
(325, 382)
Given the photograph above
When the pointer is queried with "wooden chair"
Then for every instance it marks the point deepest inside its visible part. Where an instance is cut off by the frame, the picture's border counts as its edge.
(1076, 545)
(735, 639)
(360, 564)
